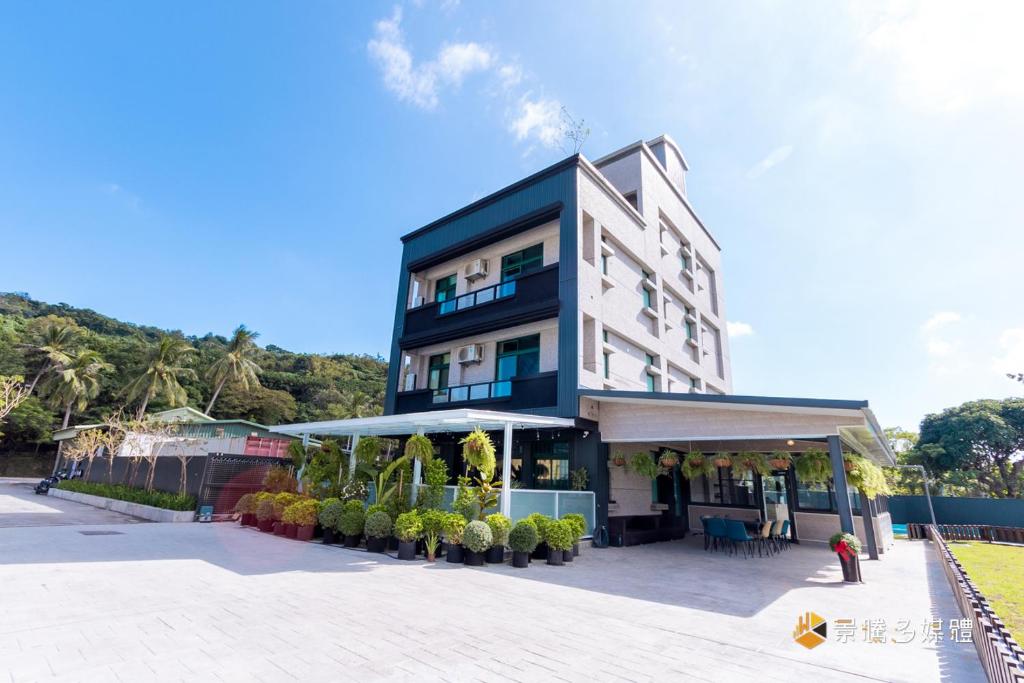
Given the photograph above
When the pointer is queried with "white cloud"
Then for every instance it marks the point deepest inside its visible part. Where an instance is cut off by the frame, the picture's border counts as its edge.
(738, 329)
(940, 319)
(420, 83)
(511, 75)
(774, 158)
(1011, 352)
(538, 120)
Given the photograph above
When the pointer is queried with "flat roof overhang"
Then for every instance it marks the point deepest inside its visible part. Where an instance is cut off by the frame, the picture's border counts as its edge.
(435, 421)
(719, 418)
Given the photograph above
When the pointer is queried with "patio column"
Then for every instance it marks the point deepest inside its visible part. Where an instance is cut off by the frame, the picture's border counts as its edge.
(867, 515)
(835, 453)
(352, 458)
(506, 472)
(417, 468)
(305, 445)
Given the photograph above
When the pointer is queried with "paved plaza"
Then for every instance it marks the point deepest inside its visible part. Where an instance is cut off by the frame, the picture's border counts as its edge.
(217, 602)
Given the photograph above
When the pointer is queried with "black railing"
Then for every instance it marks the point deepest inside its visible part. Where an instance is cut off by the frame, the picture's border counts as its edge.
(527, 392)
(481, 296)
(473, 392)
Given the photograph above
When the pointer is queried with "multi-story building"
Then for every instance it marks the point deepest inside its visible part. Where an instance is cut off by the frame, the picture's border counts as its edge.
(579, 314)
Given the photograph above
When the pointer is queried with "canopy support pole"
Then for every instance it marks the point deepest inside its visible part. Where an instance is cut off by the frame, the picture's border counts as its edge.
(417, 469)
(506, 471)
(352, 458)
(835, 453)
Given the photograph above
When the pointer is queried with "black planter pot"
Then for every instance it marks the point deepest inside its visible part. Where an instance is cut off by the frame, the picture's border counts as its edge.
(393, 543)
(352, 541)
(520, 560)
(575, 549)
(473, 559)
(540, 552)
(495, 554)
(567, 555)
(318, 531)
(556, 558)
(407, 550)
(376, 545)
(330, 536)
(455, 553)
(851, 569)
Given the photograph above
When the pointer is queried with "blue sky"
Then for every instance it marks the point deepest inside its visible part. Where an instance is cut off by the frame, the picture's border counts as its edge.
(198, 165)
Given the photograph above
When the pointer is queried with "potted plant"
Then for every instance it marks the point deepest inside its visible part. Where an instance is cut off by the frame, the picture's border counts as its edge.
(523, 540)
(780, 460)
(408, 529)
(847, 546)
(478, 451)
(643, 464)
(246, 509)
(433, 527)
(722, 460)
(378, 529)
(578, 479)
(353, 518)
(696, 465)
(540, 522)
(265, 513)
(668, 459)
(288, 517)
(303, 515)
(419, 447)
(331, 510)
(579, 523)
(755, 462)
(618, 459)
(814, 467)
(282, 501)
(454, 527)
(558, 536)
(476, 539)
(500, 526)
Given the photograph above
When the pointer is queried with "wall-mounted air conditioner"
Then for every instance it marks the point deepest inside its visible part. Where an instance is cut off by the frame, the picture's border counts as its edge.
(410, 382)
(471, 353)
(475, 269)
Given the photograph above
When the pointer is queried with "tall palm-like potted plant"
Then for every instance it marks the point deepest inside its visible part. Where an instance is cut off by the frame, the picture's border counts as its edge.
(165, 367)
(73, 385)
(236, 365)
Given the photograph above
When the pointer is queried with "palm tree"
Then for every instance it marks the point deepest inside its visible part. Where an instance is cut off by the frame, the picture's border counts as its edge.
(164, 367)
(76, 383)
(357, 404)
(236, 364)
(53, 347)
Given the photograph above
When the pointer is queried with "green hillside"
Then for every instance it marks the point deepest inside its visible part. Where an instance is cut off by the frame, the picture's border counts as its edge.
(292, 386)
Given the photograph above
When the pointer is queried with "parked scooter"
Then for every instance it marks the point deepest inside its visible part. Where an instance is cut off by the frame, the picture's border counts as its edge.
(44, 486)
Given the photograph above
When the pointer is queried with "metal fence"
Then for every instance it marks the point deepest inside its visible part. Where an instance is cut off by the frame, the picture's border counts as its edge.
(971, 532)
(1001, 656)
(226, 478)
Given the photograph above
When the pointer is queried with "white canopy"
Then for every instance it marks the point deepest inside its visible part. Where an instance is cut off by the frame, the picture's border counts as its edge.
(462, 420)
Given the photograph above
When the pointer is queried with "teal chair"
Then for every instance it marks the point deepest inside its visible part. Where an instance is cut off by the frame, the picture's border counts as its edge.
(738, 536)
(717, 532)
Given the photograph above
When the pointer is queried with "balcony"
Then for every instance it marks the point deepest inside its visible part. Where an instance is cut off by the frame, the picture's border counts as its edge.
(516, 302)
(519, 393)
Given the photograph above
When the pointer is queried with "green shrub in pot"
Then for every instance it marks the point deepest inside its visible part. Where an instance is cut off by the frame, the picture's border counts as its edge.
(559, 537)
(408, 526)
(352, 519)
(477, 536)
(433, 527)
(523, 540)
(500, 526)
(579, 529)
(378, 525)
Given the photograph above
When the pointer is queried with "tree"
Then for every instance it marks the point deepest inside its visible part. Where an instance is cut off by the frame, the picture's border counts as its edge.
(73, 385)
(13, 391)
(52, 347)
(575, 132)
(165, 367)
(236, 364)
(113, 438)
(986, 437)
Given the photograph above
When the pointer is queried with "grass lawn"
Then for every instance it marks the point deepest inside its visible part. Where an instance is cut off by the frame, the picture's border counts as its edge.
(998, 572)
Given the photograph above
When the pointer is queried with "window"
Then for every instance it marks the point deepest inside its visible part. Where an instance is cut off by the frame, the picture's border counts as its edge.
(650, 382)
(694, 383)
(522, 262)
(685, 260)
(444, 288)
(818, 497)
(725, 486)
(604, 264)
(645, 294)
(631, 198)
(607, 365)
(645, 275)
(649, 359)
(551, 465)
(604, 336)
(517, 357)
(691, 331)
(437, 376)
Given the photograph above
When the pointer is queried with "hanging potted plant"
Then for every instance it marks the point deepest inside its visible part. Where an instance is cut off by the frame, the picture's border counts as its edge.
(500, 526)
(696, 465)
(377, 529)
(850, 461)
(353, 519)
(847, 546)
(755, 462)
(867, 476)
(419, 447)
(722, 460)
(408, 529)
(433, 527)
(523, 540)
(814, 467)
(643, 464)
(330, 517)
(618, 459)
(669, 459)
(780, 460)
(478, 451)
(454, 526)
(476, 539)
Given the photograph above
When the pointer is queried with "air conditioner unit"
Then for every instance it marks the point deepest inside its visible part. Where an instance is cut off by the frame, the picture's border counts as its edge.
(418, 301)
(471, 353)
(476, 269)
(410, 382)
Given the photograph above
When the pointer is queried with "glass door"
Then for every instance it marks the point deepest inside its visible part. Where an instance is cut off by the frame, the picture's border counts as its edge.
(776, 497)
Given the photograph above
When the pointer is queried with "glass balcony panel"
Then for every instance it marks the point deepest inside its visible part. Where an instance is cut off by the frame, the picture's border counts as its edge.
(447, 306)
(506, 289)
(478, 391)
(578, 502)
(440, 396)
(503, 388)
(465, 301)
(458, 393)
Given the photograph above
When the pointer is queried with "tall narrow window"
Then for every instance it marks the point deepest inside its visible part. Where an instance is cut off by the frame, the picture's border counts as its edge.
(650, 382)
(685, 260)
(444, 288)
(645, 295)
(517, 357)
(607, 365)
(604, 264)
(522, 262)
(649, 359)
(437, 376)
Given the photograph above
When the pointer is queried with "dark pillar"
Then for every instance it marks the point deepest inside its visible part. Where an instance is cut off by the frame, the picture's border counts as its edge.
(867, 513)
(835, 453)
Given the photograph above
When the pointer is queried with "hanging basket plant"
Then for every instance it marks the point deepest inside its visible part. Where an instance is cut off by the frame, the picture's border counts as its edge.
(866, 476)
(419, 447)
(755, 462)
(669, 459)
(368, 448)
(618, 459)
(722, 460)
(850, 462)
(814, 467)
(696, 465)
(478, 450)
(780, 460)
(643, 464)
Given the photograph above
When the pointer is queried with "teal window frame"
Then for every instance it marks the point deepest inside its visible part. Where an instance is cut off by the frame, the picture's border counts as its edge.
(604, 264)
(607, 365)
(649, 359)
(522, 262)
(445, 287)
(645, 295)
(521, 354)
(438, 368)
(650, 382)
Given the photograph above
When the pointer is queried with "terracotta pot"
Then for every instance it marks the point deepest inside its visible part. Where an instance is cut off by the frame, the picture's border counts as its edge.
(266, 525)
(289, 530)
(669, 461)
(721, 462)
(304, 533)
(618, 461)
(779, 464)
(279, 528)
(248, 519)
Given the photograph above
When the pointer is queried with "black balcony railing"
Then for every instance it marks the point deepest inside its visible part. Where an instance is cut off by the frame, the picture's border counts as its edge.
(519, 393)
(473, 392)
(481, 296)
